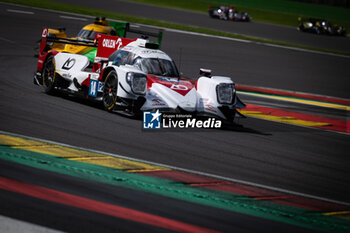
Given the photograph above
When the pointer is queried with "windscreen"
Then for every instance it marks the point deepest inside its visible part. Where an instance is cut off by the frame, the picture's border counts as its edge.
(87, 34)
(156, 66)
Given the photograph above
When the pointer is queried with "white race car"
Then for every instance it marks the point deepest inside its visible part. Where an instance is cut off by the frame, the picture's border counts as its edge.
(131, 76)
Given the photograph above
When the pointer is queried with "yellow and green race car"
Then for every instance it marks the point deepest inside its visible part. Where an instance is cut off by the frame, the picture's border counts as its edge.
(61, 43)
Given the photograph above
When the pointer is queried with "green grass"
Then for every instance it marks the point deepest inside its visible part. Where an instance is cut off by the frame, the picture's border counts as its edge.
(46, 4)
(283, 12)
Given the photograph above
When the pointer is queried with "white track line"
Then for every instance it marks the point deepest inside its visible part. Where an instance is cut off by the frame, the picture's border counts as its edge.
(74, 18)
(7, 40)
(185, 170)
(20, 12)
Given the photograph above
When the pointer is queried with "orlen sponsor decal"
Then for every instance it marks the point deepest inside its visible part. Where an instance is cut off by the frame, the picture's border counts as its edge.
(44, 34)
(110, 43)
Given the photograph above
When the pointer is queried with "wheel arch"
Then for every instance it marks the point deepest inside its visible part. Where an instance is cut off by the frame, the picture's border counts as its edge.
(50, 54)
(49, 89)
(109, 95)
(106, 71)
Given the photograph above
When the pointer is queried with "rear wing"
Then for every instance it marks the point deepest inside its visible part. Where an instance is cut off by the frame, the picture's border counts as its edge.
(123, 28)
(107, 44)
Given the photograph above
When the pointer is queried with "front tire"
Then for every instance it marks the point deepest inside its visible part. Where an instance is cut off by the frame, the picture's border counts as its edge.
(110, 91)
(49, 80)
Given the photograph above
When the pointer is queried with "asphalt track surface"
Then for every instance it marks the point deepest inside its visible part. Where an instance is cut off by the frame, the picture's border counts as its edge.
(250, 64)
(288, 157)
(255, 29)
(70, 219)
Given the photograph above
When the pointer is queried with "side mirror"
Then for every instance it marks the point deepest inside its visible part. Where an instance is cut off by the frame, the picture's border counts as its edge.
(205, 72)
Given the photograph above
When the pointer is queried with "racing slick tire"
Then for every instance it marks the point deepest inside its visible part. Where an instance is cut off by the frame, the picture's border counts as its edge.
(48, 75)
(110, 90)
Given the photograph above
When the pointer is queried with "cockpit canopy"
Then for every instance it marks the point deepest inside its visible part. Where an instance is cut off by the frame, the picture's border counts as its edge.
(149, 65)
(89, 31)
(87, 34)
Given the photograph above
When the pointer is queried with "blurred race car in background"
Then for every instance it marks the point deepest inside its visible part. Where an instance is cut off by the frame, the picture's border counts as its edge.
(130, 76)
(228, 13)
(87, 34)
(320, 26)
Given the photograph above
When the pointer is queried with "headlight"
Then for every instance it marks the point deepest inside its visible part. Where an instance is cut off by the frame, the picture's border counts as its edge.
(224, 92)
(308, 25)
(137, 82)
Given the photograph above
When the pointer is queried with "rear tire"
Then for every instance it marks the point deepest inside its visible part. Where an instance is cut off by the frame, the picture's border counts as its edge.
(110, 90)
(48, 75)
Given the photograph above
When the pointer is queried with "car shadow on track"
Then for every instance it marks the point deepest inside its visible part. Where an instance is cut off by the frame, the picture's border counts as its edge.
(226, 126)
(236, 127)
